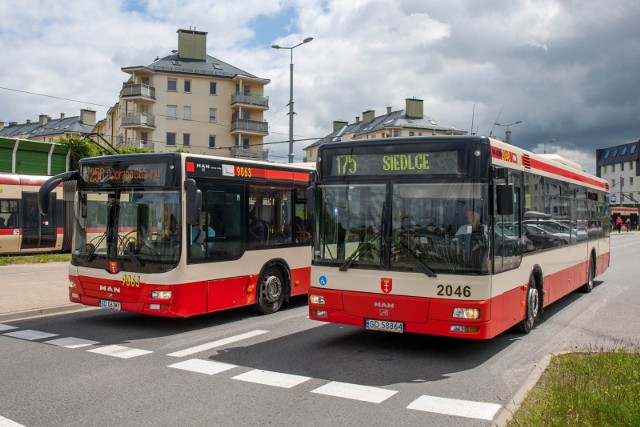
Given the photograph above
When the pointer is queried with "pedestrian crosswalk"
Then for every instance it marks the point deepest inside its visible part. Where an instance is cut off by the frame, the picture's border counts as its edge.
(332, 389)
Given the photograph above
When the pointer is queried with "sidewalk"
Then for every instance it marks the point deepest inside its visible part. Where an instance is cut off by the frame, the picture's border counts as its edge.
(28, 290)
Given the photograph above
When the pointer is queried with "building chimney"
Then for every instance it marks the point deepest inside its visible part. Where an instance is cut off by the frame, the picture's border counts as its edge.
(87, 117)
(28, 121)
(43, 119)
(357, 119)
(61, 116)
(338, 124)
(414, 108)
(192, 44)
(1, 125)
(388, 110)
(368, 116)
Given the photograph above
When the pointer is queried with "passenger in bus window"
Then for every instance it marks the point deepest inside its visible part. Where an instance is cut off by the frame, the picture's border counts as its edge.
(198, 235)
(256, 228)
(2, 223)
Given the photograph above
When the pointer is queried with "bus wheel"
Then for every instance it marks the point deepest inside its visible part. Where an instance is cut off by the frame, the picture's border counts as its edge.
(270, 291)
(588, 287)
(533, 308)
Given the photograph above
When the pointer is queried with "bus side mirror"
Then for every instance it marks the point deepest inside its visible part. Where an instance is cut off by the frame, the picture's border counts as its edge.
(504, 202)
(194, 202)
(311, 198)
(49, 185)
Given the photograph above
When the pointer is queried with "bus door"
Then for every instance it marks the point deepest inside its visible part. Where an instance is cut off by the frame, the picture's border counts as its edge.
(38, 231)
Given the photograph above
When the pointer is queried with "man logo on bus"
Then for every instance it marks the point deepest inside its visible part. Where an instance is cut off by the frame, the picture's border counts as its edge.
(386, 285)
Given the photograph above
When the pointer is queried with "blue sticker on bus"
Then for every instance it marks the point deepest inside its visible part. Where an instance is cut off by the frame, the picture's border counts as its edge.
(322, 280)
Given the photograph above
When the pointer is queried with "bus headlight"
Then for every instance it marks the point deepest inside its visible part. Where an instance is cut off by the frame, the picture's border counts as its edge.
(466, 313)
(161, 295)
(316, 299)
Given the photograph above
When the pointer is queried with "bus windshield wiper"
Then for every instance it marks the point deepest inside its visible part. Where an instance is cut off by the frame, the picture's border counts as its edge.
(349, 261)
(417, 261)
(92, 252)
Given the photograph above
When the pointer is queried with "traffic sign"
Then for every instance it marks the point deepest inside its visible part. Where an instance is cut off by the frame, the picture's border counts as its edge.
(613, 198)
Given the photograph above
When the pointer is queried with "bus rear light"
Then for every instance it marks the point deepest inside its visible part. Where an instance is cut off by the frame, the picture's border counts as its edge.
(316, 299)
(161, 295)
(72, 285)
(466, 313)
(159, 306)
(320, 313)
(464, 329)
(75, 296)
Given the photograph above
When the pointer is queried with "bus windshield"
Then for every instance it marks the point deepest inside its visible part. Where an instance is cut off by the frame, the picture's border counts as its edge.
(422, 227)
(138, 229)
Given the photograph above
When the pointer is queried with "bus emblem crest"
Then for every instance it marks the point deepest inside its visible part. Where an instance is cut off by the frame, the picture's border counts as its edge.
(113, 267)
(386, 285)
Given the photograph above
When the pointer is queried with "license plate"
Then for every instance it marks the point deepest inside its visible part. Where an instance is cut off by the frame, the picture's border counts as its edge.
(109, 305)
(384, 325)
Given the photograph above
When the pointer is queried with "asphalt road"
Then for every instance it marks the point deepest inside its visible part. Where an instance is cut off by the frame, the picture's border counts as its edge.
(103, 368)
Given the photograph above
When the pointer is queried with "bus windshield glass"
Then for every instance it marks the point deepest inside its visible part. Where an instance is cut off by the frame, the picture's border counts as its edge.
(138, 229)
(423, 227)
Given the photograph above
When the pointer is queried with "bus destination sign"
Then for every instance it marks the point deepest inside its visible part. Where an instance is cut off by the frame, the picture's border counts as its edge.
(423, 163)
(116, 175)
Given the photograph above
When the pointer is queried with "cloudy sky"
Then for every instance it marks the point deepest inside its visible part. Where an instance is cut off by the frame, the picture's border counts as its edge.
(568, 70)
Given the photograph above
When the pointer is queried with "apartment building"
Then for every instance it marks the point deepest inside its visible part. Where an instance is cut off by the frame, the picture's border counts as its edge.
(401, 123)
(46, 129)
(619, 165)
(190, 100)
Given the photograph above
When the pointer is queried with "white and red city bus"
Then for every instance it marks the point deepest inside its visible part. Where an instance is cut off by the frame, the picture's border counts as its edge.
(454, 236)
(23, 229)
(177, 234)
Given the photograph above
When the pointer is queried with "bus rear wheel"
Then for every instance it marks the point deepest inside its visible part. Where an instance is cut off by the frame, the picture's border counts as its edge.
(532, 308)
(270, 294)
(588, 287)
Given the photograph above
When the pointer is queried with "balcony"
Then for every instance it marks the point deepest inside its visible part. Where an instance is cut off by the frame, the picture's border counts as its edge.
(256, 153)
(138, 120)
(250, 127)
(250, 101)
(140, 91)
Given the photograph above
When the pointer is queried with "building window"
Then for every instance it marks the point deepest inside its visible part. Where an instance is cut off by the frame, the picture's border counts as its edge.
(630, 166)
(213, 114)
(172, 85)
(212, 141)
(631, 181)
(187, 112)
(412, 134)
(621, 166)
(186, 139)
(246, 90)
(144, 136)
(213, 88)
(172, 112)
(613, 168)
(171, 138)
(187, 86)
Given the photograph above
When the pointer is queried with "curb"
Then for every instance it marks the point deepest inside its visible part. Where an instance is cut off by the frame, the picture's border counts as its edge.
(19, 315)
(506, 413)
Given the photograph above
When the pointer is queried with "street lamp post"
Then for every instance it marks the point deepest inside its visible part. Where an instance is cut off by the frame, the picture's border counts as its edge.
(508, 132)
(275, 46)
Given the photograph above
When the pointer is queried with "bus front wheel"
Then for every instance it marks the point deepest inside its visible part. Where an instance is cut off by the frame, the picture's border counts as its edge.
(270, 293)
(532, 308)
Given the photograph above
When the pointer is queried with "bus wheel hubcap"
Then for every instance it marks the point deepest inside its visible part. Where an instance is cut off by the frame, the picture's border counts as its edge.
(272, 288)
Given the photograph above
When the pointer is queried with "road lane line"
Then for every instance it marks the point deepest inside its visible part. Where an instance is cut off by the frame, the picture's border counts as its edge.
(29, 334)
(119, 351)
(4, 327)
(6, 422)
(218, 343)
(460, 408)
(275, 379)
(355, 392)
(202, 366)
(72, 342)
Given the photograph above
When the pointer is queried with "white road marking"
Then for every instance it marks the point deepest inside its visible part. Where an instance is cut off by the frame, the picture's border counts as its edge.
(71, 342)
(276, 379)
(31, 335)
(7, 328)
(218, 343)
(460, 408)
(5, 422)
(355, 392)
(119, 351)
(202, 366)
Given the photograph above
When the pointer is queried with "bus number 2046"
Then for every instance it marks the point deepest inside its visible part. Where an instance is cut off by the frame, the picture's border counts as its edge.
(449, 291)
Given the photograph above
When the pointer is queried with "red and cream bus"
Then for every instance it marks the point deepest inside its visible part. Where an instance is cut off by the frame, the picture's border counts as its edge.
(431, 235)
(23, 229)
(176, 234)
